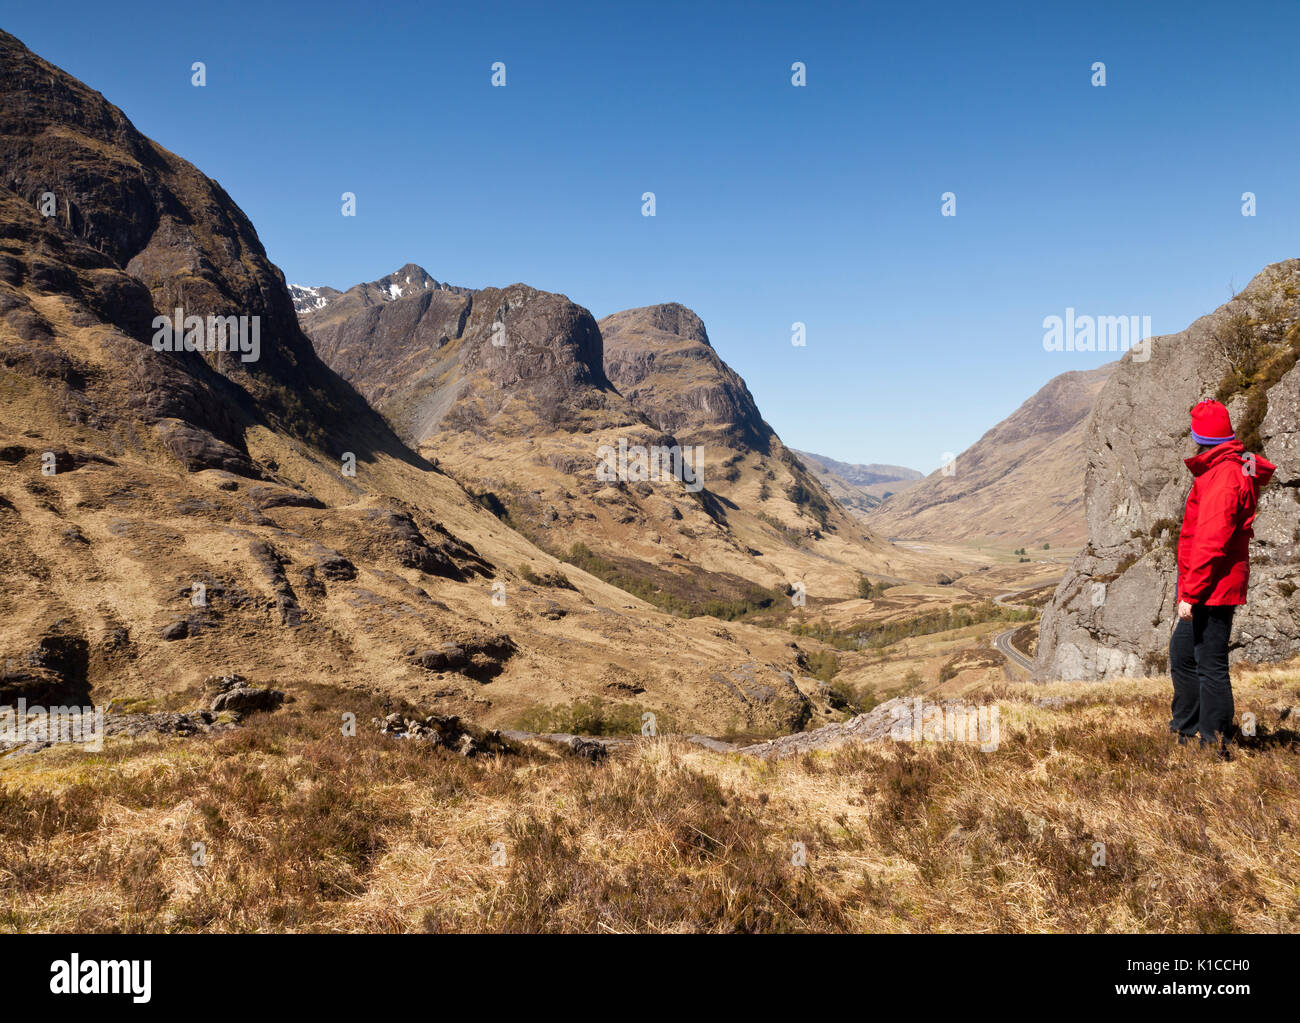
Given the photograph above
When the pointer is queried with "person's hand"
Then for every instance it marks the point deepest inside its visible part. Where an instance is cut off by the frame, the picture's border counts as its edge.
(1184, 610)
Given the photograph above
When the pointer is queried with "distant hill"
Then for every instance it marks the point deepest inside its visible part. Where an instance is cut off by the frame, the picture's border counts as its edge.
(859, 487)
(1021, 482)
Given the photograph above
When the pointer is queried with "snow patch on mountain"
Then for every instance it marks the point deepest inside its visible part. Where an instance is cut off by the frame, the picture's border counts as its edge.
(307, 300)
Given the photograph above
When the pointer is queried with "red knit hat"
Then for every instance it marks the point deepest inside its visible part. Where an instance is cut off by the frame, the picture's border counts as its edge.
(1210, 423)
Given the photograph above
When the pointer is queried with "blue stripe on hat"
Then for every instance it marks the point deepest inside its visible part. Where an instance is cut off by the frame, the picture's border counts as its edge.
(1211, 440)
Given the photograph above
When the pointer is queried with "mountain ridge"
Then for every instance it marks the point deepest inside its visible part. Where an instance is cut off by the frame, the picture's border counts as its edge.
(860, 488)
(652, 380)
(1020, 483)
(175, 516)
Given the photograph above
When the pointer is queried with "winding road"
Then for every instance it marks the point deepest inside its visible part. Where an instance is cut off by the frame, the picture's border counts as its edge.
(1002, 641)
(1002, 644)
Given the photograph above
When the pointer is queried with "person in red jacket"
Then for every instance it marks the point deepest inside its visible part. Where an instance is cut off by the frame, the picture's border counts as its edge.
(1213, 573)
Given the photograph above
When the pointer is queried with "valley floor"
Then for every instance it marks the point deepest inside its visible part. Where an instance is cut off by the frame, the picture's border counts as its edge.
(1087, 817)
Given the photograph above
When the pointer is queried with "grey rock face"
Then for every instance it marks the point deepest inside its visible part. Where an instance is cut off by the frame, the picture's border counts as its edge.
(902, 718)
(770, 697)
(661, 359)
(434, 357)
(1113, 613)
(444, 730)
(241, 698)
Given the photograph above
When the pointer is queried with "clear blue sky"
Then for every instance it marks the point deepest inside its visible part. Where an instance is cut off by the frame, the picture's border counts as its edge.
(775, 204)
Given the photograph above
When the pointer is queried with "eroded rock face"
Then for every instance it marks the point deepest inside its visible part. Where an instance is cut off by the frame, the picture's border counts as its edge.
(770, 698)
(139, 232)
(433, 357)
(52, 670)
(659, 356)
(1112, 614)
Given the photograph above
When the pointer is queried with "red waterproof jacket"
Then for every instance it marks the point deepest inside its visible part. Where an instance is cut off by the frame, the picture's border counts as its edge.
(1214, 546)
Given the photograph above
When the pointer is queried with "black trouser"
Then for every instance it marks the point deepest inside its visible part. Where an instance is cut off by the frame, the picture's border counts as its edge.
(1198, 662)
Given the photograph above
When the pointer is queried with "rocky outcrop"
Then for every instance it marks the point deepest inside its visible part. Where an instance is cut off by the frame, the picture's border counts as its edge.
(771, 699)
(492, 361)
(660, 357)
(52, 670)
(906, 719)
(477, 657)
(235, 696)
(1113, 612)
(445, 730)
(137, 231)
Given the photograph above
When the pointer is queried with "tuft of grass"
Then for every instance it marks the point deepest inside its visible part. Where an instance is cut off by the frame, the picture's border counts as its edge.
(1170, 528)
(1259, 347)
(553, 580)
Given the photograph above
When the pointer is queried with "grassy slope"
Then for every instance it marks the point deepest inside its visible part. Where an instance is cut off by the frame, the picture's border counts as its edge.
(307, 830)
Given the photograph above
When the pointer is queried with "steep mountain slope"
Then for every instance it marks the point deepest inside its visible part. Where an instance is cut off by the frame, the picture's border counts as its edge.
(1113, 613)
(1020, 483)
(859, 487)
(507, 388)
(172, 515)
(307, 299)
(661, 358)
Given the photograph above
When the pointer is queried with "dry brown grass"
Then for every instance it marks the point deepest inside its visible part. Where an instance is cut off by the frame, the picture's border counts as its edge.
(306, 830)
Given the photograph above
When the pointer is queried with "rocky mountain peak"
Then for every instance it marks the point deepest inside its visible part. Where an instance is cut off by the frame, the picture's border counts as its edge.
(669, 318)
(308, 300)
(405, 282)
(458, 355)
(660, 357)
